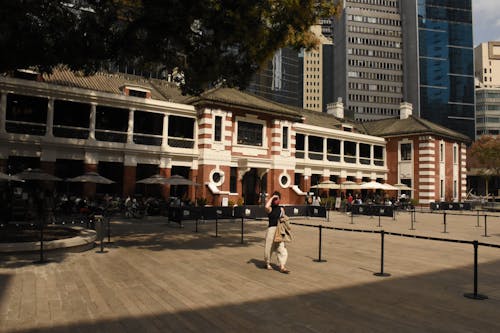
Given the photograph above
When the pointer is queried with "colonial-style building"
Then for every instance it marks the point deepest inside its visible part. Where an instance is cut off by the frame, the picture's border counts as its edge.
(236, 145)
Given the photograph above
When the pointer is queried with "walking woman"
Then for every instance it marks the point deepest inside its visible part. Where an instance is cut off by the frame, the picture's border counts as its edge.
(274, 211)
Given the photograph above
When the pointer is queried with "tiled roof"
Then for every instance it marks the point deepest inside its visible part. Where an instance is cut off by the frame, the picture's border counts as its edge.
(326, 120)
(112, 83)
(240, 99)
(410, 126)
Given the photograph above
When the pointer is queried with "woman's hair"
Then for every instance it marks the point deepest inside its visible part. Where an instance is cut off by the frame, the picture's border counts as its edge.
(277, 193)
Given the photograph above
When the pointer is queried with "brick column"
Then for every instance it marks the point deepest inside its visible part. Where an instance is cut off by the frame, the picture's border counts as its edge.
(165, 189)
(193, 190)
(89, 189)
(129, 180)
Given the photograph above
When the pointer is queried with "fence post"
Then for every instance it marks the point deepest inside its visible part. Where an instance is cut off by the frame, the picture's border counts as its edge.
(477, 218)
(196, 224)
(101, 232)
(379, 217)
(444, 223)
(381, 273)
(216, 224)
(320, 244)
(475, 295)
(109, 229)
(412, 214)
(352, 217)
(42, 258)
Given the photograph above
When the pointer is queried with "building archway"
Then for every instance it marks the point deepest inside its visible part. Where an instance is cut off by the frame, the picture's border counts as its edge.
(252, 185)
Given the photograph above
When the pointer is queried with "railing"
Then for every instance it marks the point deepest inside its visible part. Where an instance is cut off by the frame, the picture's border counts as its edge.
(147, 139)
(111, 136)
(70, 132)
(315, 156)
(333, 157)
(180, 142)
(25, 127)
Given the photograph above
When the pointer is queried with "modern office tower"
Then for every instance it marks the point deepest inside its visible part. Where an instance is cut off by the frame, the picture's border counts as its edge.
(368, 59)
(487, 111)
(280, 79)
(487, 64)
(388, 51)
(318, 73)
(439, 61)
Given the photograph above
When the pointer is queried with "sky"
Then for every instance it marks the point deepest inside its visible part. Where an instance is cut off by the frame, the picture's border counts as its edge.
(486, 20)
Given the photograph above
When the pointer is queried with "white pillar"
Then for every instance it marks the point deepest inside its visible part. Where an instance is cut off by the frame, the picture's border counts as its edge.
(50, 118)
(372, 155)
(357, 152)
(342, 151)
(130, 129)
(164, 140)
(3, 111)
(306, 146)
(92, 121)
(324, 150)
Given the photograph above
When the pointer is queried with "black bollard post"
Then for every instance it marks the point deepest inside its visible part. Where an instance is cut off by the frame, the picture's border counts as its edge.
(475, 295)
(196, 228)
(381, 273)
(477, 218)
(216, 225)
(412, 212)
(485, 227)
(444, 223)
(101, 232)
(379, 218)
(109, 229)
(242, 226)
(42, 258)
(352, 217)
(320, 244)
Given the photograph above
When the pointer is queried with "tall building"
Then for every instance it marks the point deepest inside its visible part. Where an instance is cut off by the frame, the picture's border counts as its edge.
(439, 61)
(368, 59)
(487, 111)
(280, 79)
(317, 79)
(487, 64)
(413, 51)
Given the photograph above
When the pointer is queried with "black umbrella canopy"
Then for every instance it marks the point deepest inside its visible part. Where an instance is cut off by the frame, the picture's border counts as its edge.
(37, 174)
(8, 178)
(179, 180)
(156, 179)
(91, 177)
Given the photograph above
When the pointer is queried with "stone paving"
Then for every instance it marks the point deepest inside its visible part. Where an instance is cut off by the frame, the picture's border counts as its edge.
(157, 277)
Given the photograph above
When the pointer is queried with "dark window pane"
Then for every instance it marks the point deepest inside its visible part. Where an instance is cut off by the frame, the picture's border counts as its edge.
(250, 133)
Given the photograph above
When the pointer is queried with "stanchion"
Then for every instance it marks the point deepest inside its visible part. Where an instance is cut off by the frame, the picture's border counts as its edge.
(381, 273)
(485, 227)
(242, 226)
(352, 217)
(101, 232)
(475, 295)
(379, 218)
(412, 214)
(196, 225)
(320, 244)
(42, 258)
(444, 223)
(477, 218)
(216, 225)
(109, 230)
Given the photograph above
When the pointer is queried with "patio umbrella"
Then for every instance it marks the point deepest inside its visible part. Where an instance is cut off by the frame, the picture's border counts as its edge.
(36, 174)
(402, 187)
(373, 185)
(349, 185)
(90, 177)
(156, 179)
(9, 178)
(179, 180)
(327, 185)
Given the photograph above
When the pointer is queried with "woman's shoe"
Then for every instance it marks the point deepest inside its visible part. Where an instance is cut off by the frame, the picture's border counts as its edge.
(268, 266)
(284, 270)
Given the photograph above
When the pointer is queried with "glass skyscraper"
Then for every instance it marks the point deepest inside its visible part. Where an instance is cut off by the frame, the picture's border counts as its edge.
(439, 73)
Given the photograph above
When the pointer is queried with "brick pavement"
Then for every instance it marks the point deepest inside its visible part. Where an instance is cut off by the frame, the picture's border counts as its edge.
(159, 278)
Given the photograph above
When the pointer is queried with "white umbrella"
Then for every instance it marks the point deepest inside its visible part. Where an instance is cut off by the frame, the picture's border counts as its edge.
(402, 187)
(327, 185)
(9, 178)
(350, 185)
(373, 185)
(91, 177)
(36, 174)
(179, 180)
(156, 179)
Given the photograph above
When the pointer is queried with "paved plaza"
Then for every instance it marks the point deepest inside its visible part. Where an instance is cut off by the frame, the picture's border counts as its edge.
(157, 277)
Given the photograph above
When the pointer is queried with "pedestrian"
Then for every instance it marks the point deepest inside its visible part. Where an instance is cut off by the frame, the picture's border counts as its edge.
(274, 212)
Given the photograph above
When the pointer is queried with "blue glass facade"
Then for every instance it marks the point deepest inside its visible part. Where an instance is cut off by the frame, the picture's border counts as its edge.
(446, 63)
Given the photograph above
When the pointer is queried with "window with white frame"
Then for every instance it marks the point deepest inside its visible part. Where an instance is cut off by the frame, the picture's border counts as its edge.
(218, 128)
(455, 154)
(441, 152)
(406, 151)
(284, 142)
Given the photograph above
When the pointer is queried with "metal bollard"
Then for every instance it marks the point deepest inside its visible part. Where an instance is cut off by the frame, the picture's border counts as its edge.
(444, 223)
(242, 226)
(320, 244)
(216, 225)
(381, 273)
(475, 295)
(485, 227)
(101, 233)
(196, 228)
(477, 218)
(352, 217)
(109, 229)
(412, 213)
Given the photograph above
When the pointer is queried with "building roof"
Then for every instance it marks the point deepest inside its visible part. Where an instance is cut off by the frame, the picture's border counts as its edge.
(113, 83)
(243, 100)
(410, 126)
(326, 120)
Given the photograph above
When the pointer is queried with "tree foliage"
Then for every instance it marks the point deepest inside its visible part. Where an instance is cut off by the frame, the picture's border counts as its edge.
(485, 154)
(208, 41)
